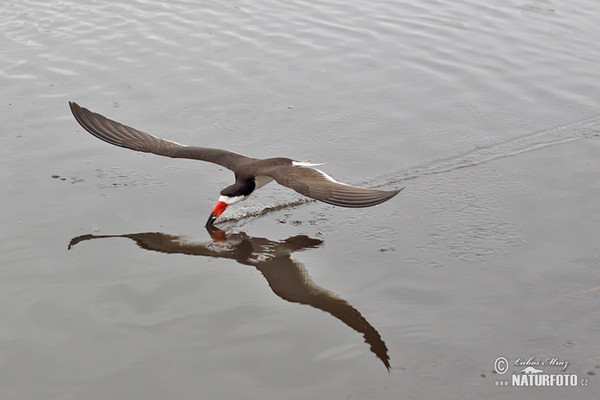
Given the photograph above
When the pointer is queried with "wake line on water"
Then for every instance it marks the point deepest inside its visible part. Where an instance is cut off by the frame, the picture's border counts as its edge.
(584, 129)
(267, 210)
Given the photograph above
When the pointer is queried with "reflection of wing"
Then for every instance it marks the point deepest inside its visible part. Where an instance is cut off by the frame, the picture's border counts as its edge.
(286, 277)
(290, 281)
(164, 243)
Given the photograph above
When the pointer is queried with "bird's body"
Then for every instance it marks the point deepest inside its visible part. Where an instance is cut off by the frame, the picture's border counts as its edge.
(250, 173)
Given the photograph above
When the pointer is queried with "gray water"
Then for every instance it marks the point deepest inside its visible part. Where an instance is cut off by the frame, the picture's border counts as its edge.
(487, 113)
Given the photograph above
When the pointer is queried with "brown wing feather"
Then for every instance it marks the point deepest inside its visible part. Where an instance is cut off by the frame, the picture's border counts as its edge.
(124, 136)
(316, 184)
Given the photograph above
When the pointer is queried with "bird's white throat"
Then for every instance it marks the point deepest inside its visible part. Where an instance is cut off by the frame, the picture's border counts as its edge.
(229, 200)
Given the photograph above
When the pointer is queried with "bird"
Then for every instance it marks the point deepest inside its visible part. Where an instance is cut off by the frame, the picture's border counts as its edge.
(250, 173)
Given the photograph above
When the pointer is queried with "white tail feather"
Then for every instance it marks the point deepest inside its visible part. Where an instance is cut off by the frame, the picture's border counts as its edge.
(306, 164)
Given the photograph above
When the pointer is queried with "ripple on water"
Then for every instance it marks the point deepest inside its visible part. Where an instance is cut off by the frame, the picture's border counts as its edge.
(114, 176)
(476, 228)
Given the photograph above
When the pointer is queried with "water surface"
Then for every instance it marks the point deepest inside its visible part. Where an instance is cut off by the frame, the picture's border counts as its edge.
(489, 115)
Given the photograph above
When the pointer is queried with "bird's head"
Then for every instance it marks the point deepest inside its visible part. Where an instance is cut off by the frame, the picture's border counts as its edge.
(216, 212)
(222, 204)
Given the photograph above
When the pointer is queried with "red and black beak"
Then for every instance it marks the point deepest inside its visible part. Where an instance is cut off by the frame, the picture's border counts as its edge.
(216, 212)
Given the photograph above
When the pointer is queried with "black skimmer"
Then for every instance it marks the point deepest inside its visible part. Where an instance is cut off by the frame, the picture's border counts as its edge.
(250, 173)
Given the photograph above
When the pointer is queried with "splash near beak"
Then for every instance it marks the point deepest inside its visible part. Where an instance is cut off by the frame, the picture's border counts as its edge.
(216, 212)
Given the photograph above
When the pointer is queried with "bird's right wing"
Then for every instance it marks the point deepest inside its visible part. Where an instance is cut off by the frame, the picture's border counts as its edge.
(318, 185)
(121, 135)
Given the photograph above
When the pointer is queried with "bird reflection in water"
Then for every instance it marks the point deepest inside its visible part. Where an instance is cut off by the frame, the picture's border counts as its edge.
(286, 277)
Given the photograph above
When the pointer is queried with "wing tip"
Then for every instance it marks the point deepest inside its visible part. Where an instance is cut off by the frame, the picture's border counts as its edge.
(74, 106)
(385, 196)
(392, 193)
(388, 195)
(77, 110)
(396, 191)
(368, 198)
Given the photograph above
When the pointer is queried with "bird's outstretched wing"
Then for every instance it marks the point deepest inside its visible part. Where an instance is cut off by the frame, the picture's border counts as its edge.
(124, 136)
(318, 185)
(305, 180)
